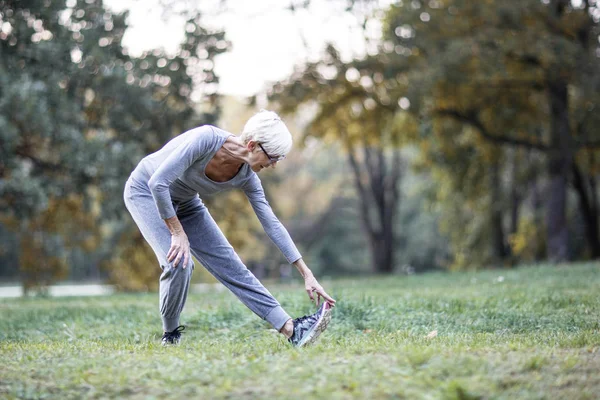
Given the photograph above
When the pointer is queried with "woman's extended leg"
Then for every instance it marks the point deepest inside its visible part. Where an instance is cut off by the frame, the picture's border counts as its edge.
(174, 282)
(211, 248)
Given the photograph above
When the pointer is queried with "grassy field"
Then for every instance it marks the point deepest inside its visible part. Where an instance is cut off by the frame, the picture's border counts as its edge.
(505, 334)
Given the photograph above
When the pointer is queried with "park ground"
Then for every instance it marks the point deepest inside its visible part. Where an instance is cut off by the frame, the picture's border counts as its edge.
(526, 333)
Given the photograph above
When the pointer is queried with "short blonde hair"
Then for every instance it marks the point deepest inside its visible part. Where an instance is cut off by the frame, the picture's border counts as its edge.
(267, 128)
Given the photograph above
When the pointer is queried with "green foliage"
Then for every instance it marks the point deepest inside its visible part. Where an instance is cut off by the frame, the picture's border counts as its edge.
(64, 225)
(527, 241)
(77, 113)
(485, 75)
(497, 97)
(133, 266)
(532, 334)
(420, 242)
(359, 113)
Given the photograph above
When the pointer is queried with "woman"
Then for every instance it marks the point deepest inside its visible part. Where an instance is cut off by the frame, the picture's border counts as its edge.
(163, 195)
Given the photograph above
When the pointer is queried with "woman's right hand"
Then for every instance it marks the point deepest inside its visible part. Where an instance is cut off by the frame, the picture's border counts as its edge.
(180, 249)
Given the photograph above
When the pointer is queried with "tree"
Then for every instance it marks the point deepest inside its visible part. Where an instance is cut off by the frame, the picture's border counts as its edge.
(523, 57)
(77, 112)
(354, 107)
(497, 88)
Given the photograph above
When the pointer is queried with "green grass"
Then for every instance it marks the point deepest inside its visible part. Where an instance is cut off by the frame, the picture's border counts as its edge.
(533, 334)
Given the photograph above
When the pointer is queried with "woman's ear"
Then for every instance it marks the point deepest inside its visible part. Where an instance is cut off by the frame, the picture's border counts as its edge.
(251, 145)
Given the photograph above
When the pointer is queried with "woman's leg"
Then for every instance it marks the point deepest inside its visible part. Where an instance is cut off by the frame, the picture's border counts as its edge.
(174, 282)
(211, 248)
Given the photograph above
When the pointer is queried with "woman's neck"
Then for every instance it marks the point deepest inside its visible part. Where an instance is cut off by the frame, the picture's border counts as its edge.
(227, 161)
(233, 151)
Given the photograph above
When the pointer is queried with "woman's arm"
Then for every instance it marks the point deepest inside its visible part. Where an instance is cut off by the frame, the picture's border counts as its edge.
(270, 223)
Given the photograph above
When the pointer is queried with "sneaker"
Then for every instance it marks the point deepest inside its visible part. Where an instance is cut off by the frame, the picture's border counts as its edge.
(173, 337)
(308, 328)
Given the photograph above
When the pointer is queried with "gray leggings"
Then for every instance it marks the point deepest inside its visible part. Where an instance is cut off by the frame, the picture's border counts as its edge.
(208, 245)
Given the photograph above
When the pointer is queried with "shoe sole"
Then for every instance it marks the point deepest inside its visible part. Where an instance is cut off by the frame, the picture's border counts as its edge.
(165, 344)
(319, 327)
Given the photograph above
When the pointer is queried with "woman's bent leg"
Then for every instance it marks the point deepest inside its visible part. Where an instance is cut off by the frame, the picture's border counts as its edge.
(174, 282)
(211, 248)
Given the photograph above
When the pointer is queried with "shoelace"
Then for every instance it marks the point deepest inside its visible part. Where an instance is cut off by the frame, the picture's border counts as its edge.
(302, 319)
(175, 332)
(310, 318)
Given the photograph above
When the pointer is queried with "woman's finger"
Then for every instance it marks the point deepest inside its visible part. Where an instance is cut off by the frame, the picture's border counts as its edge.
(310, 294)
(174, 252)
(185, 259)
(177, 259)
(327, 297)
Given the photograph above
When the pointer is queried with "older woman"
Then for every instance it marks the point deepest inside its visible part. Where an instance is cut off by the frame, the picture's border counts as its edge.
(163, 195)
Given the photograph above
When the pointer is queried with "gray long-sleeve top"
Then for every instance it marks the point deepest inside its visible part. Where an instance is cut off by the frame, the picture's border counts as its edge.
(175, 174)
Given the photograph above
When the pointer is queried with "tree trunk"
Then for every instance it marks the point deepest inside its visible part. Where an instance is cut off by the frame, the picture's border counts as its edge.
(386, 194)
(377, 187)
(589, 209)
(515, 198)
(559, 164)
(515, 205)
(498, 243)
(382, 249)
(538, 217)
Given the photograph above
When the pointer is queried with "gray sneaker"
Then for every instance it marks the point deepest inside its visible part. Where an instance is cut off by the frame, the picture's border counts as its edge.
(173, 337)
(308, 328)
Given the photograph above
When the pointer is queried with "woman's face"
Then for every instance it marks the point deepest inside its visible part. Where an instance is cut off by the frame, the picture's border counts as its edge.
(259, 158)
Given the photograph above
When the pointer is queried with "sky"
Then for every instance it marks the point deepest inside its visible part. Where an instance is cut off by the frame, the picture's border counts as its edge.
(267, 39)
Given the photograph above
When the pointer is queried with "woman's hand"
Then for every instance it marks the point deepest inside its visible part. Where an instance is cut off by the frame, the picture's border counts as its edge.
(180, 249)
(311, 285)
(315, 291)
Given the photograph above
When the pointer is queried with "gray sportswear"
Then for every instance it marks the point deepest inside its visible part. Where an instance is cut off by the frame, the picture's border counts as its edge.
(175, 173)
(172, 182)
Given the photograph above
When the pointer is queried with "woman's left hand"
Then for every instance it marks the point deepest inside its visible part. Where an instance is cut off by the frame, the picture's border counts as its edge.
(315, 291)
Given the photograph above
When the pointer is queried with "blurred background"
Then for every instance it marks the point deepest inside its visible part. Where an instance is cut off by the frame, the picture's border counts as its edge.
(429, 135)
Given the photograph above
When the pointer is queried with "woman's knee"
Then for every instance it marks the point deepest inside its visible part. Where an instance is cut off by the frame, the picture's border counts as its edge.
(171, 272)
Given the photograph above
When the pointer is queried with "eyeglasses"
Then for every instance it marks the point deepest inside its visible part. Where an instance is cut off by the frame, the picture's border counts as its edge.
(272, 160)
